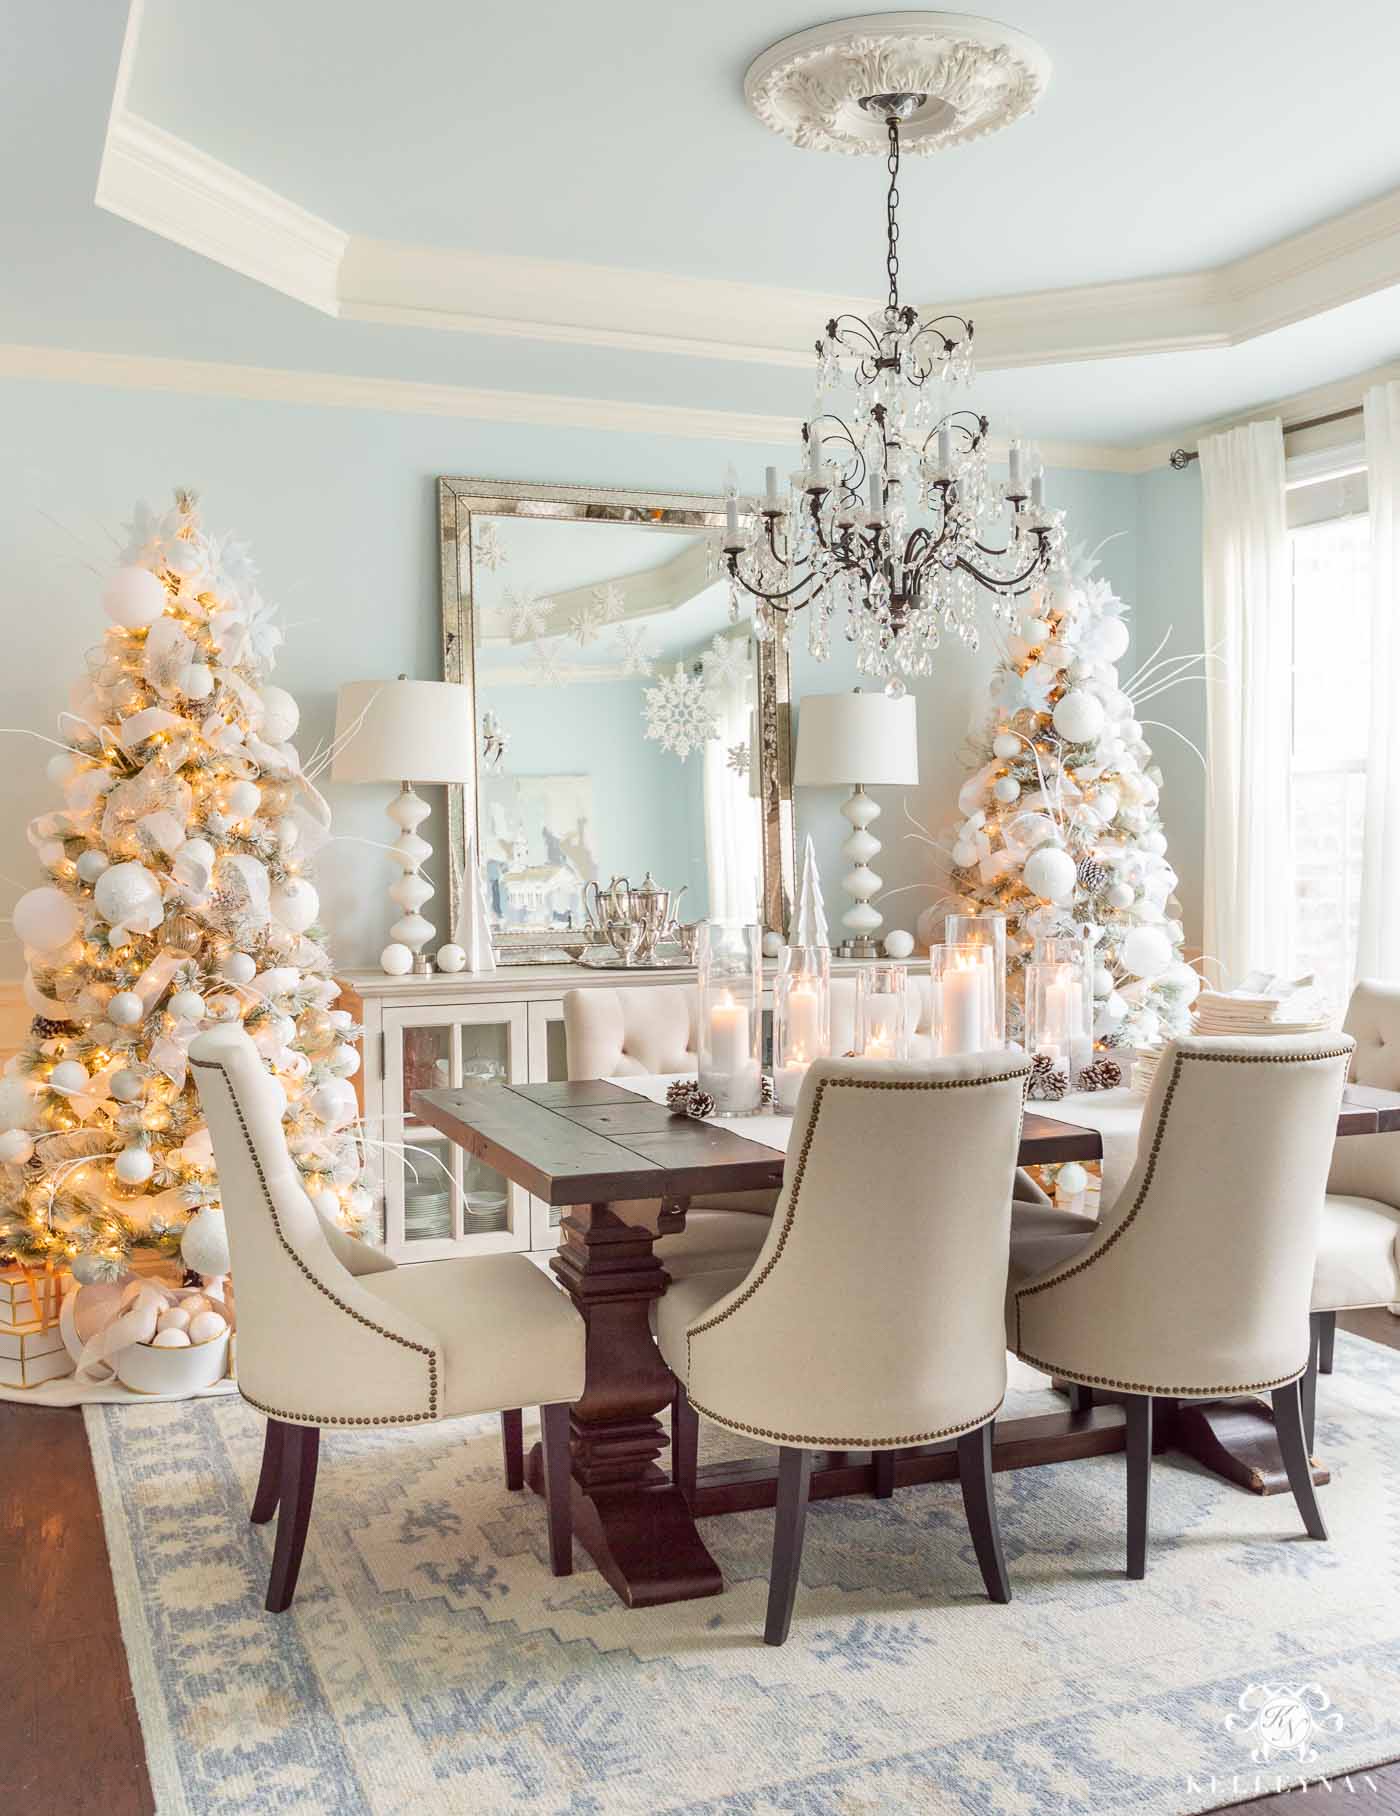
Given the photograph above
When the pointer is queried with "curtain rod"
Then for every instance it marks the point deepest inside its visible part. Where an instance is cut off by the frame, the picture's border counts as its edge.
(1181, 459)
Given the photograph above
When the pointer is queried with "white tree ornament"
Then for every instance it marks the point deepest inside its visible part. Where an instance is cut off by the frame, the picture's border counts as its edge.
(679, 712)
(809, 926)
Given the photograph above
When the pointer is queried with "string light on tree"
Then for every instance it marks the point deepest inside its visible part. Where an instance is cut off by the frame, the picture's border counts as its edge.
(176, 898)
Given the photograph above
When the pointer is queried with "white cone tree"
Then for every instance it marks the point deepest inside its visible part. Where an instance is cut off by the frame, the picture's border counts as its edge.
(1059, 827)
(176, 897)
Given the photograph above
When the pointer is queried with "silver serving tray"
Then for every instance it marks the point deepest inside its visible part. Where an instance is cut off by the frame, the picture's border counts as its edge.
(600, 958)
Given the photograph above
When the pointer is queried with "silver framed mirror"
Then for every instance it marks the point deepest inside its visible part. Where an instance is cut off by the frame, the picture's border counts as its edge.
(624, 726)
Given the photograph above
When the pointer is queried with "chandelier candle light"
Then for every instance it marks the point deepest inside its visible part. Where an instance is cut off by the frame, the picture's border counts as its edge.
(730, 960)
(890, 522)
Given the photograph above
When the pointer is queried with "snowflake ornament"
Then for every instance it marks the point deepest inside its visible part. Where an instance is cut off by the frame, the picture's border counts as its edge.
(739, 759)
(633, 654)
(547, 665)
(586, 625)
(486, 547)
(726, 662)
(611, 602)
(528, 616)
(679, 712)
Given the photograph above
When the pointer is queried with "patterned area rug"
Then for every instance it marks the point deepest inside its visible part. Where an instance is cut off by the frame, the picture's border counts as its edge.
(431, 1664)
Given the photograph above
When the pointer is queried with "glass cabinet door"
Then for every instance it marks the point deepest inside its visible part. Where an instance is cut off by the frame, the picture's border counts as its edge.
(438, 1199)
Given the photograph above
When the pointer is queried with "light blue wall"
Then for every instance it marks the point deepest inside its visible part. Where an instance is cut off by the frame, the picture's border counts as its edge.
(340, 509)
(1169, 599)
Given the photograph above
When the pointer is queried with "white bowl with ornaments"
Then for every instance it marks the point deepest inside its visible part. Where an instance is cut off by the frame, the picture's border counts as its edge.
(188, 1352)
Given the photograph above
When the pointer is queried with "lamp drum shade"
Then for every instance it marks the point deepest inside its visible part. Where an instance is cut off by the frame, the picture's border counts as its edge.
(856, 737)
(413, 731)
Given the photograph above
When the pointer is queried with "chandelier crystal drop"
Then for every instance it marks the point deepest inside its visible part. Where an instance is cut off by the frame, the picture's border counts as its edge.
(891, 523)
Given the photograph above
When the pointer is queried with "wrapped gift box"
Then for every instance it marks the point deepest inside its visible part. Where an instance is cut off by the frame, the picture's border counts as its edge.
(29, 1295)
(31, 1354)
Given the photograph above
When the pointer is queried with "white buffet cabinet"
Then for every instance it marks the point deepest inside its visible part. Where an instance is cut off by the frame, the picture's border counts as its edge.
(420, 1032)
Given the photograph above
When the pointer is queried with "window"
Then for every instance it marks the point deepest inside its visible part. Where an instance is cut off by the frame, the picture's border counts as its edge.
(1329, 535)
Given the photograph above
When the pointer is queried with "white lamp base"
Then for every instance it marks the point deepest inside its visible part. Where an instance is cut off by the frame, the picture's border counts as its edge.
(860, 882)
(408, 811)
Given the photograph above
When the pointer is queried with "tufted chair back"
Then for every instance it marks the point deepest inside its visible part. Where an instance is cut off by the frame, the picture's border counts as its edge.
(314, 1347)
(620, 1033)
(1368, 1166)
(1199, 1279)
(872, 1316)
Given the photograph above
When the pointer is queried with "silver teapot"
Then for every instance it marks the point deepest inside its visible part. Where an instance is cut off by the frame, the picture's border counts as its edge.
(645, 906)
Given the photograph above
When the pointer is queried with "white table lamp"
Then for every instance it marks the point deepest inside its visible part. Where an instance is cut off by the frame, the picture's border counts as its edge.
(842, 737)
(406, 731)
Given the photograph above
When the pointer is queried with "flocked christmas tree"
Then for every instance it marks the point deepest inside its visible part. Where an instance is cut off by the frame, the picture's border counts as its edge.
(1059, 828)
(177, 898)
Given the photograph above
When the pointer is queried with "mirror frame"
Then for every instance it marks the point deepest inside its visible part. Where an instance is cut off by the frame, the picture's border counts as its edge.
(459, 501)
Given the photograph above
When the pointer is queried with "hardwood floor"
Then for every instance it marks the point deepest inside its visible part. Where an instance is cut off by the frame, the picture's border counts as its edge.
(73, 1744)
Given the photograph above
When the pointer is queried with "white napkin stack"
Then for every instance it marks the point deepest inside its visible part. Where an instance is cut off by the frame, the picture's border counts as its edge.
(1264, 1004)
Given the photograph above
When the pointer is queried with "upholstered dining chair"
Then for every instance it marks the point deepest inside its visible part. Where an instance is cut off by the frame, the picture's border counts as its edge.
(651, 1030)
(872, 1317)
(1195, 1283)
(331, 1333)
(1357, 1263)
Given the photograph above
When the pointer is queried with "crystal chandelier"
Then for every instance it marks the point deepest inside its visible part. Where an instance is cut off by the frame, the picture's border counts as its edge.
(891, 523)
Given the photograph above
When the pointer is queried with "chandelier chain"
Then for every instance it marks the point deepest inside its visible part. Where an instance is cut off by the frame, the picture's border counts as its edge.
(891, 212)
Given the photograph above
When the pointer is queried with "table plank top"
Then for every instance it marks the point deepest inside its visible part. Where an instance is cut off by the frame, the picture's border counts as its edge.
(590, 1141)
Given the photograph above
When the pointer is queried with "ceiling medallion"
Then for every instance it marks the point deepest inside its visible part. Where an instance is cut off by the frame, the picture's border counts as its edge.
(967, 77)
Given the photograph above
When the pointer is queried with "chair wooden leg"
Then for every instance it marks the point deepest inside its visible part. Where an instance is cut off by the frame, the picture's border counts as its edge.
(513, 1447)
(1137, 1410)
(794, 1480)
(1308, 1385)
(558, 1488)
(1327, 1341)
(979, 1503)
(1288, 1421)
(1081, 1398)
(270, 1476)
(685, 1443)
(300, 1451)
(883, 1462)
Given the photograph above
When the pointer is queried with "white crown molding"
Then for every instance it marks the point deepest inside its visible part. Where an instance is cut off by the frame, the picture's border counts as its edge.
(158, 181)
(349, 391)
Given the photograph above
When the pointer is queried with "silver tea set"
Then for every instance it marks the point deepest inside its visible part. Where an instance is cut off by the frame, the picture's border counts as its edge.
(635, 919)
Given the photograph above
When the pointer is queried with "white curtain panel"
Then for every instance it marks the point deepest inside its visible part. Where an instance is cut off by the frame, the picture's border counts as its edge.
(1248, 623)
(1378, 950)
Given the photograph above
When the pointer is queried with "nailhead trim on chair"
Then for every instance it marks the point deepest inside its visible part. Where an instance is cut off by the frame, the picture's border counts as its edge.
(810, 1442)
(1087, 1261)
(807, 1439)
(312, 1418)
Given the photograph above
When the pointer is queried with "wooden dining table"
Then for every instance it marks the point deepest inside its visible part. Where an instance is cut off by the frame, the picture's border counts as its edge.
(624, 1169)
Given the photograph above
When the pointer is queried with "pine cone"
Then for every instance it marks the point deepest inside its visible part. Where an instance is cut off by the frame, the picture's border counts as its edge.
(44, 1028)
(679, 1094)
(1102, 1075)
(770, 1095)
(701, 1104)
(1048, 1084)
(1093, 876)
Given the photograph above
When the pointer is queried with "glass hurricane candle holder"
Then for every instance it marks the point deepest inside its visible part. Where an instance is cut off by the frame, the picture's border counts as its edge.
(730, 958)
(1077, 954)
(963, 1007)
(882, 1012)
(1055, 1024)
(985, 930)
(801, 1018)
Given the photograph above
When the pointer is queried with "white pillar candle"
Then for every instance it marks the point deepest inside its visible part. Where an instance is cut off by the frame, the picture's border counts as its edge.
(945, 448)
(787, 1083)
(1014, 485)
(771, 487)
(1059, 1020)
(964, 1007)
(814, 455)
(803, 1024)
(729, 1035)
(731, 519)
